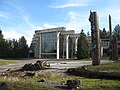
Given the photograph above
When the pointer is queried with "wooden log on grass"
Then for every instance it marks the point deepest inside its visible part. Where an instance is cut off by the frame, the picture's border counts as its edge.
(94, 74)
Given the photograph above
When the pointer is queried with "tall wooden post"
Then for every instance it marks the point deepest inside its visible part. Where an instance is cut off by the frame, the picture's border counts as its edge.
(95, 38)
(0, 31)
(115, 50)
(110, 46)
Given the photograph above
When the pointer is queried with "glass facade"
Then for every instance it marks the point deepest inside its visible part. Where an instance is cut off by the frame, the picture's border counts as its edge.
(71, 46)
(54, 43)
(48, 44)
(62, 46)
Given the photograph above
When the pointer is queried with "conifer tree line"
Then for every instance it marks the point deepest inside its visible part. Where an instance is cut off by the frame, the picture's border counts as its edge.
(13, 48)
(104, 34)
(83, 49)
(19, 48)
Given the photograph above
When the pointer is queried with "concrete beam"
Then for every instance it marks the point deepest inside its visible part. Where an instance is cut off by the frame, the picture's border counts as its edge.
(68, 32)
(37, 35)
(58, 29)
(35, 39)
(74, 35)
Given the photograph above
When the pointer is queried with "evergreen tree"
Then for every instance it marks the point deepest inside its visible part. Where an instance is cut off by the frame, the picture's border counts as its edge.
(1, 37)
(9, 47)
(116, 32)
(13, 48)
(23, 47)
(104, 34)
(82, 47)
(3, 45)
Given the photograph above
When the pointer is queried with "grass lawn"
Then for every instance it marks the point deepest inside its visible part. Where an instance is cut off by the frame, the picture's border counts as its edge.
(5, 62)
(25, 84)
(85, 83)
(109, 67)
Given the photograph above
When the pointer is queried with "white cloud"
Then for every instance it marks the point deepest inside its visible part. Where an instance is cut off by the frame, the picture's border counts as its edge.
(115, 13)
(77, 21)
(14, 30)
(73, 21)
(27, 22)
(49, 26)
(71, 3)
(66, 5)
(14, 33)
(26, 30)
(4, 15)
(16, 5)
(104, 17)
(45, 26)
(10, 34)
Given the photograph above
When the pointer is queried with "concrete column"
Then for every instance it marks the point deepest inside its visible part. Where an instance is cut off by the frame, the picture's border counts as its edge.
(76, 40)
(67, 47)
(40, 46)
(101, 51)
(72, 47)
(58, 41)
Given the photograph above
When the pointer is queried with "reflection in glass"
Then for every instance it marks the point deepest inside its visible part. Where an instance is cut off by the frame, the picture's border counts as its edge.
(48, 42)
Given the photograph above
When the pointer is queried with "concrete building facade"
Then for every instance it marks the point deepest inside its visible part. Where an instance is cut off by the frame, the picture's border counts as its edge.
(54, 43)
(104, 46)
(59, 43)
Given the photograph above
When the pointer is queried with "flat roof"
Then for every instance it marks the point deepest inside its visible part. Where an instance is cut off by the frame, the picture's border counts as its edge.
(51, 30)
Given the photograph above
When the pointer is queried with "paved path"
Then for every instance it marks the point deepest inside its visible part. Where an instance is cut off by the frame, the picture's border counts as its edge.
(58, 64)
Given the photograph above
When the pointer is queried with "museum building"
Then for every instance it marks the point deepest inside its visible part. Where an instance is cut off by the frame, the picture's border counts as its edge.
(55, 43)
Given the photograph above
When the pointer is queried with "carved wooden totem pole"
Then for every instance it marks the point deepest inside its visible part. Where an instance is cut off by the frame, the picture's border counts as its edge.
(95, 40)
(113, 48)
(110, 46)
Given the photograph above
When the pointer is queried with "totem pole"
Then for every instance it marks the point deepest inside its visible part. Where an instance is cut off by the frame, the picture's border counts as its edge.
(0, 31)
(113, 48)
(110, 46)
(95, 40)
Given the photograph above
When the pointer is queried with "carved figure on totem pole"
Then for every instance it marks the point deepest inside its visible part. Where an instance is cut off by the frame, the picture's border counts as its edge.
(95, 40)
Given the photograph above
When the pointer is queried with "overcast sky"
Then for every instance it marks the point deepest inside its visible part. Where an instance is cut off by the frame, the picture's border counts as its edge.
(22, 17)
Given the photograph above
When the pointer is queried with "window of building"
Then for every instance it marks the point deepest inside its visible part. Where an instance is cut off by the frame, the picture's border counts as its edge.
(48, 42)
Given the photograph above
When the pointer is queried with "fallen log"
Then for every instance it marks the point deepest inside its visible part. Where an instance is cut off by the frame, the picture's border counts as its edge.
(39, 65)
(93, 74)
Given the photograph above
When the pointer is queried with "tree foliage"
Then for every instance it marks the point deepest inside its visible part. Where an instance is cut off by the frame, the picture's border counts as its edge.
(104, 34)
(116, 31)
(23, 47)
(82, 47)
(13, 48)
(2, 45)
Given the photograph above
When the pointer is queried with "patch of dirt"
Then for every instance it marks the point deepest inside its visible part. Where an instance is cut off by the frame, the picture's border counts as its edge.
(15, 75)
(117, 88)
